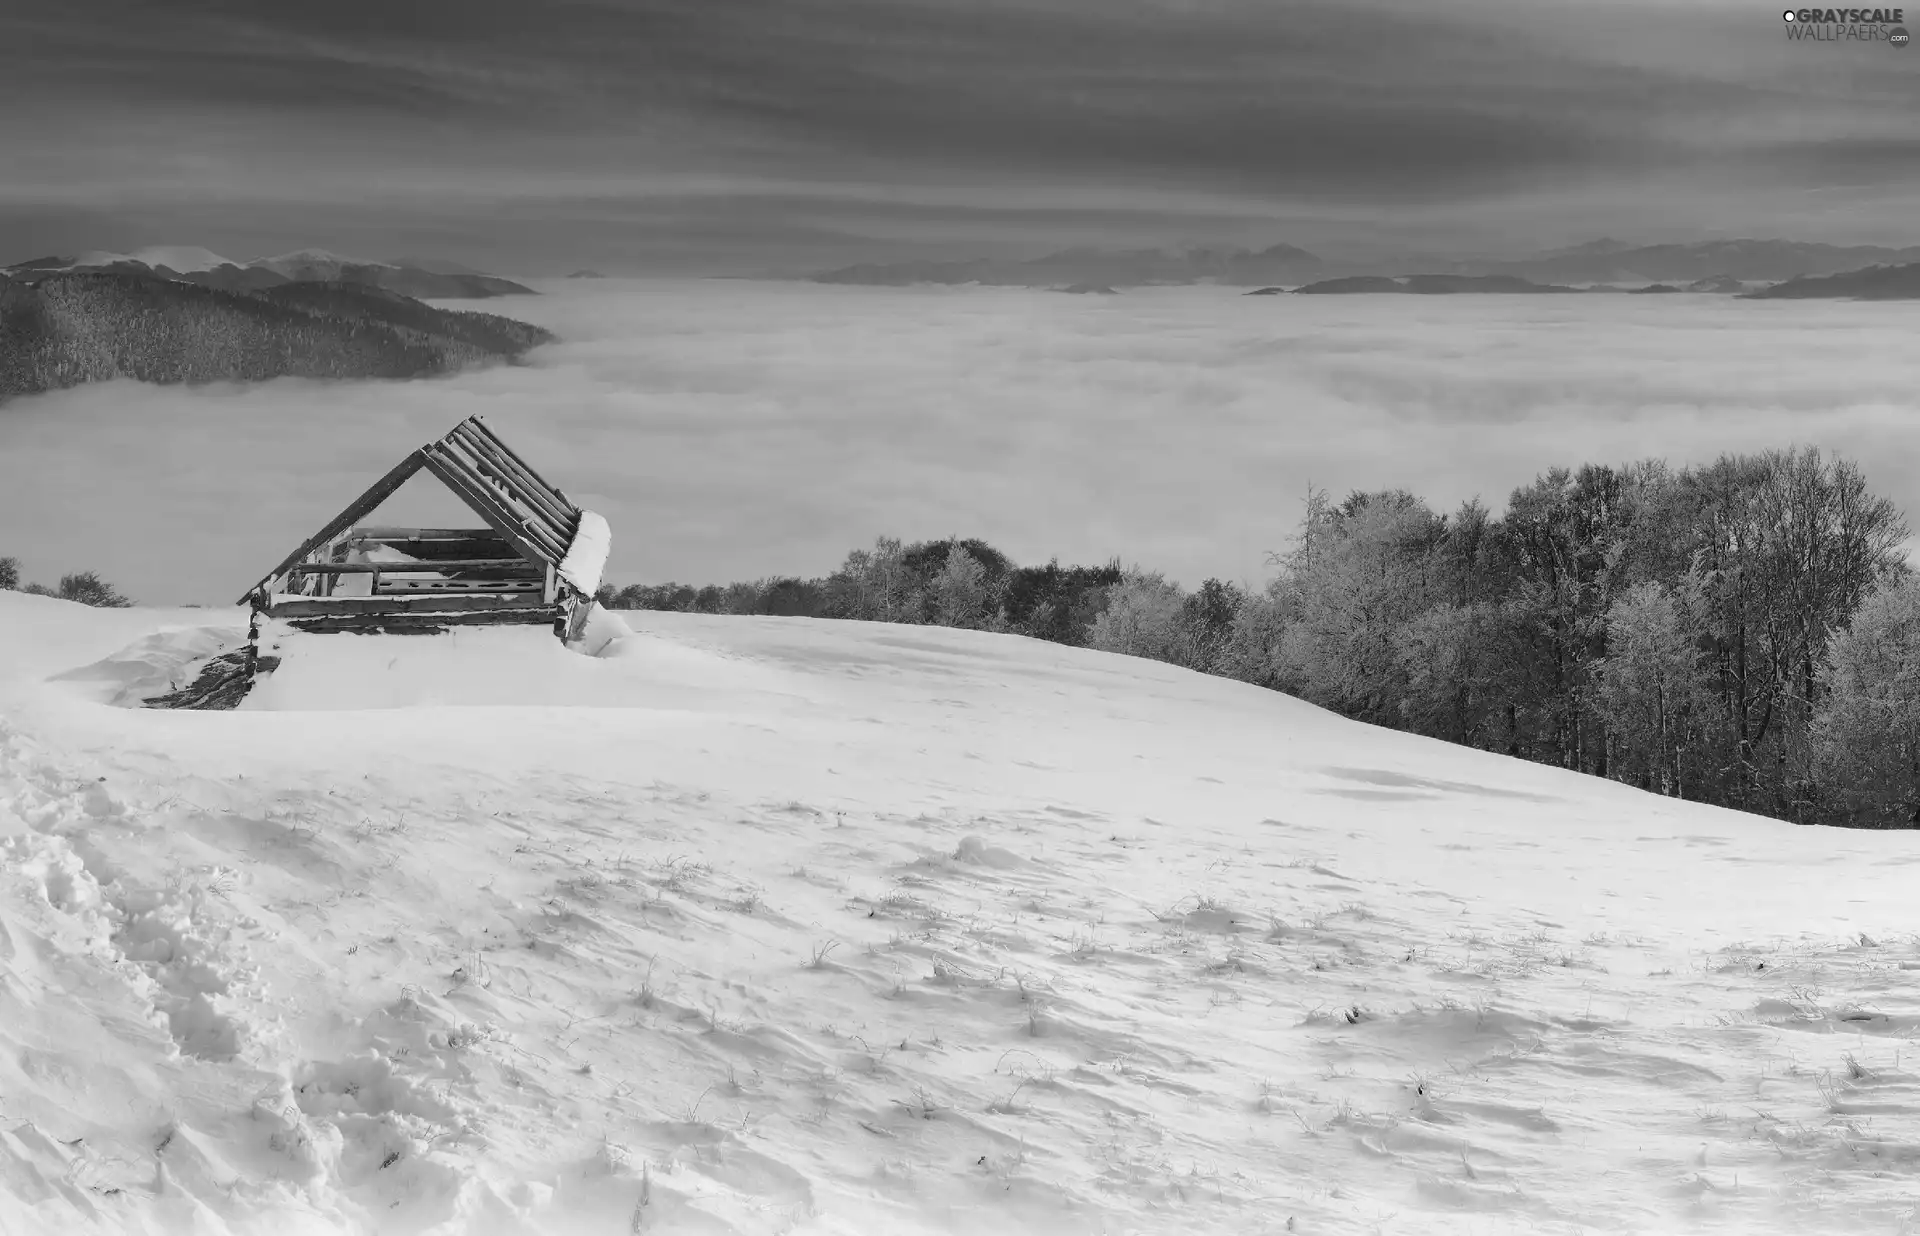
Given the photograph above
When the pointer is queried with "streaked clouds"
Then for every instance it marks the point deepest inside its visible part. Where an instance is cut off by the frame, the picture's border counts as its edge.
(693, 134)
(732, 429)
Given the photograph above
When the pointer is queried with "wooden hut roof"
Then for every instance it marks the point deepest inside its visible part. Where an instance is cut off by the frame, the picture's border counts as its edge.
(534, 517)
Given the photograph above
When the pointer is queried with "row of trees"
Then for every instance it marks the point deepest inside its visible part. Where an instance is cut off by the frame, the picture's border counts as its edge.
(956, 583)
(1746, 633)
(83, 586)
(1702, 633)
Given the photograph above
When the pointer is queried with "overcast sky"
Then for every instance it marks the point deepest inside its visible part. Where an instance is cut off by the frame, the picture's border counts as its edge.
(747, 135)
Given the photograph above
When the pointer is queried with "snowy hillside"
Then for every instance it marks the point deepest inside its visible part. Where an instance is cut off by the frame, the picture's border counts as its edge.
(310, 264)
(764, 925)
(181, 258)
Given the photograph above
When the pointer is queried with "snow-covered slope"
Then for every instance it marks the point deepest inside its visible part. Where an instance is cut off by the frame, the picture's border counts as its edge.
(764, 925)
(310, 264)
(182, 258)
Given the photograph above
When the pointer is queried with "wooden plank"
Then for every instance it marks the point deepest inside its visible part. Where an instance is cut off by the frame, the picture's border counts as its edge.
(479, 426)
(463, 583)
(368, 626)
(401, 568)
(461, 587)
(372, 533)
(539, 521)
(223, 682)
(532, 490)
(475, 585)
(505, 489)
(489, 504)
(485, 506)
(560, 517)
(381, 490)
(423, 624)
(565, 515)
(576, 621)
(299, 607)
(492, 546)
(341, 552)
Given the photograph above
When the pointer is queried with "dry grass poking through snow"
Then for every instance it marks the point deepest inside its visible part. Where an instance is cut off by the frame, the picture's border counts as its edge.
(766, 940)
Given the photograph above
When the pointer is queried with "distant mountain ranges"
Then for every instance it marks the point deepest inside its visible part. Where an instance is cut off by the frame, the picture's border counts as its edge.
(61, 327)
(1727, 267)
(1098, 268)
(1873, 283)
(1429, 285)
(422, 279)
(1440, 285)
(1745, 261)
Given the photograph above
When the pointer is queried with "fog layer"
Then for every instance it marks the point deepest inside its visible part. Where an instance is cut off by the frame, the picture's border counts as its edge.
(732, 429)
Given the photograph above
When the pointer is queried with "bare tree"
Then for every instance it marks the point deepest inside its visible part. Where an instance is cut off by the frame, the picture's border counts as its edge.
(1652, 688)
(1867, 731)
(1369, 574)
(872, 585)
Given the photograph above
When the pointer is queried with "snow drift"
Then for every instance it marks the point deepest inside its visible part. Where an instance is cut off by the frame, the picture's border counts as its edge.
(771, 925)
(586, 557)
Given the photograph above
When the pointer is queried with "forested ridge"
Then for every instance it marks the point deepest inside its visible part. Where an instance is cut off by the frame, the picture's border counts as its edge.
(63, 329)
(1745, 633)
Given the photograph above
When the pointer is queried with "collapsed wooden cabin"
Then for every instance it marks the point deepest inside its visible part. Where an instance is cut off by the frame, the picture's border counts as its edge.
(538, 560)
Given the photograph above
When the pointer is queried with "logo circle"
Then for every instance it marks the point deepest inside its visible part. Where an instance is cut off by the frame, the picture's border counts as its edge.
(1789, 15)
(1898, 36)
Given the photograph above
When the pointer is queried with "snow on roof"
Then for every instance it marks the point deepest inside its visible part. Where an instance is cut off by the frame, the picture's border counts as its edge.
(898, 929)
(586, 558)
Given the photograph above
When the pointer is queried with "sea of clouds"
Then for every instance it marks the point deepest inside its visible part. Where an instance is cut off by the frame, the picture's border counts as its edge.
(735, 429)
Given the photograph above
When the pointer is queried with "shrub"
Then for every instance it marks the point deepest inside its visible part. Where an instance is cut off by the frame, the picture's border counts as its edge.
(89, 589)
(84, 587)
(1144, 618)
(1250, 652)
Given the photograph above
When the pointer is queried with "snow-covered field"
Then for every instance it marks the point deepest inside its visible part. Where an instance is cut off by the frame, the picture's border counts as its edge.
(767, 925)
